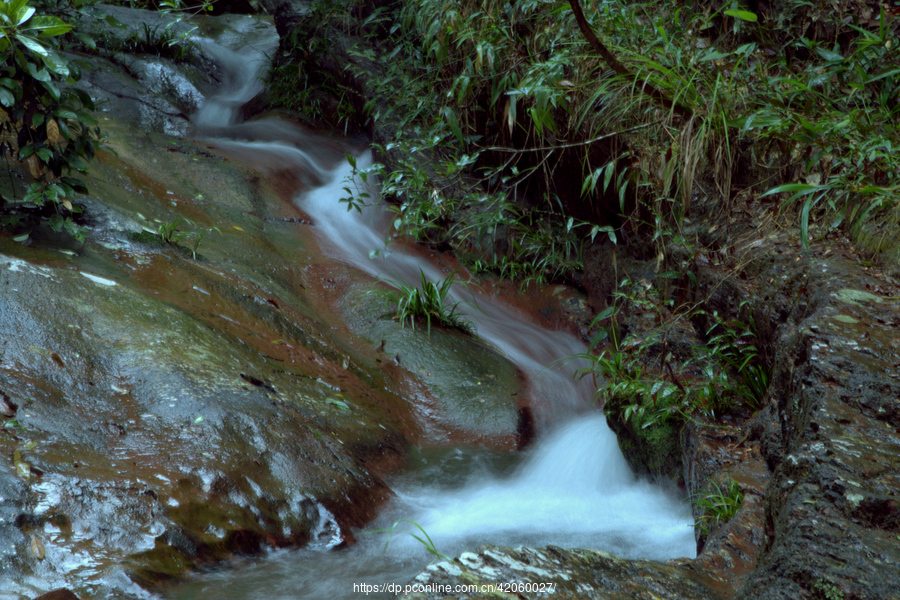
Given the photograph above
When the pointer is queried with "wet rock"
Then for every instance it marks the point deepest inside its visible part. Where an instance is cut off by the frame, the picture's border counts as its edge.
(137, 450)
(494, 572)
(60, 594)
(830, 432)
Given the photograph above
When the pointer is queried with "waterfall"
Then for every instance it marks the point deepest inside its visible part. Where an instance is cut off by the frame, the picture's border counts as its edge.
(572, 489)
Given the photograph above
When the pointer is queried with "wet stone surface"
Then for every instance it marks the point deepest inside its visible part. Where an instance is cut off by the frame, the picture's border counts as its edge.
(550, 572)
(169, 405)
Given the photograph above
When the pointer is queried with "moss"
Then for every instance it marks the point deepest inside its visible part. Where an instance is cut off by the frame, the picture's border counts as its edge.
(654, 450)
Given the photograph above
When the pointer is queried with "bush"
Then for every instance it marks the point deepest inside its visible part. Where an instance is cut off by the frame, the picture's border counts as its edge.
(45, 122)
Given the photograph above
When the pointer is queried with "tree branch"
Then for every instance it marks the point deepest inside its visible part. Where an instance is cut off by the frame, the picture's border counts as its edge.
(618, 67)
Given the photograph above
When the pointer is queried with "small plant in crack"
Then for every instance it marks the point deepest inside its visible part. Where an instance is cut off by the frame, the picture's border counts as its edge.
(718, 505)
(429, 302)
(179, 229)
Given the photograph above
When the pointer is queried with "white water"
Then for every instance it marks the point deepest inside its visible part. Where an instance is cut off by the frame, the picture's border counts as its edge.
(573, 489)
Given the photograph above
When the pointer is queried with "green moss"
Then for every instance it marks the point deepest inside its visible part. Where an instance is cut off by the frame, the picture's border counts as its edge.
(654, 450)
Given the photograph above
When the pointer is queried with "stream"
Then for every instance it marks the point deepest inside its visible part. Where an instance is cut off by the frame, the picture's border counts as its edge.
(572, 488)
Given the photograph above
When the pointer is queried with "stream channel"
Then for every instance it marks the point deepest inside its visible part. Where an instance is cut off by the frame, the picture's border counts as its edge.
(571, 488)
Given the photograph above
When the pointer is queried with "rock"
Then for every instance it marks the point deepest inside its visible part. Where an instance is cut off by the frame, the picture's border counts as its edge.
(551, 572)
(60, 594)
(137, 448)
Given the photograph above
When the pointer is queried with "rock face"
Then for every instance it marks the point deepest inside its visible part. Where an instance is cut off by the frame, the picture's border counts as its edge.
(163, 411)
(550, 572)
(832, 516)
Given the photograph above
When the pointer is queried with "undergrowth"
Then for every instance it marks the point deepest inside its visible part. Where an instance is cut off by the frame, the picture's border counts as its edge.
(534, 146)
(652, 392)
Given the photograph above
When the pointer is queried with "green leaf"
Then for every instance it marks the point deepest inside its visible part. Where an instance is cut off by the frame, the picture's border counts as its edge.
(605, 314)
(15, 6)
(6, 97)
(714, 55)
(40, 75)
(51, 88)
(32, 44)
(47, 26)
(86, 39)
(450, 116)
(23, 14)
(76, 163)
(86, 119)
(57, 64)
(829, 55)
(884, 74)
(801, 188)
(804, 223)
(743, 15)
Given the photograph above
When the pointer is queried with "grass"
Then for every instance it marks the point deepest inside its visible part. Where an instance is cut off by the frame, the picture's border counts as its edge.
(174, 232)
(425, 540)
(718, 505)
(427, 303)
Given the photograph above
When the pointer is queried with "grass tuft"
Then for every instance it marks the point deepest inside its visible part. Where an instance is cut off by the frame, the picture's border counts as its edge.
(718, 505)
(427, 303)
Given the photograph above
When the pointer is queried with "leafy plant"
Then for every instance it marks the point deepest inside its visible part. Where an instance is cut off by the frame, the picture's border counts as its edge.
(718, 505)
(174, 232)
(730, 345)
(837, 115)
(159, 40)
(171, 232)
(45, 122)
(428, 303)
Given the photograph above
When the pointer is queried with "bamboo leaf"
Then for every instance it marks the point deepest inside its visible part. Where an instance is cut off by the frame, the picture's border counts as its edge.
(743, 15)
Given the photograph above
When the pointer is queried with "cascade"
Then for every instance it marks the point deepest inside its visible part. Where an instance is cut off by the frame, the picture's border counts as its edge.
(572, 489)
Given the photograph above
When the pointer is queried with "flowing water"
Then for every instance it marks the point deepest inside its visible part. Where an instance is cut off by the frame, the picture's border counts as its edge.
(572, 489)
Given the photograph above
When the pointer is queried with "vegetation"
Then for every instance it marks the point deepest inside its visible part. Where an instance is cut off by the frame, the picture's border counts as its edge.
(47, 130)
(649, 392)
(718, 505)
(539, 136)
(427, 303)
(425, 540)
(177, 230)
(45, 122)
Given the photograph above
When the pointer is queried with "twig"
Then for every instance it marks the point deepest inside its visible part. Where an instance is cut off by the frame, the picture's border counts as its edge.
(621, 69)
(573, 144)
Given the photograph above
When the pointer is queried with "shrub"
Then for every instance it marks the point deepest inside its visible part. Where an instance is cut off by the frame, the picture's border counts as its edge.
(45, 122)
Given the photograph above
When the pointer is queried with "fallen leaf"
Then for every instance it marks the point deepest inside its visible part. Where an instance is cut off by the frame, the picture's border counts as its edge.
(37, 548)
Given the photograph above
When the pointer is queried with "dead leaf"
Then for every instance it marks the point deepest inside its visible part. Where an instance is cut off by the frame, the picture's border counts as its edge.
(37, 548)
(34, 166)
(53, 135)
